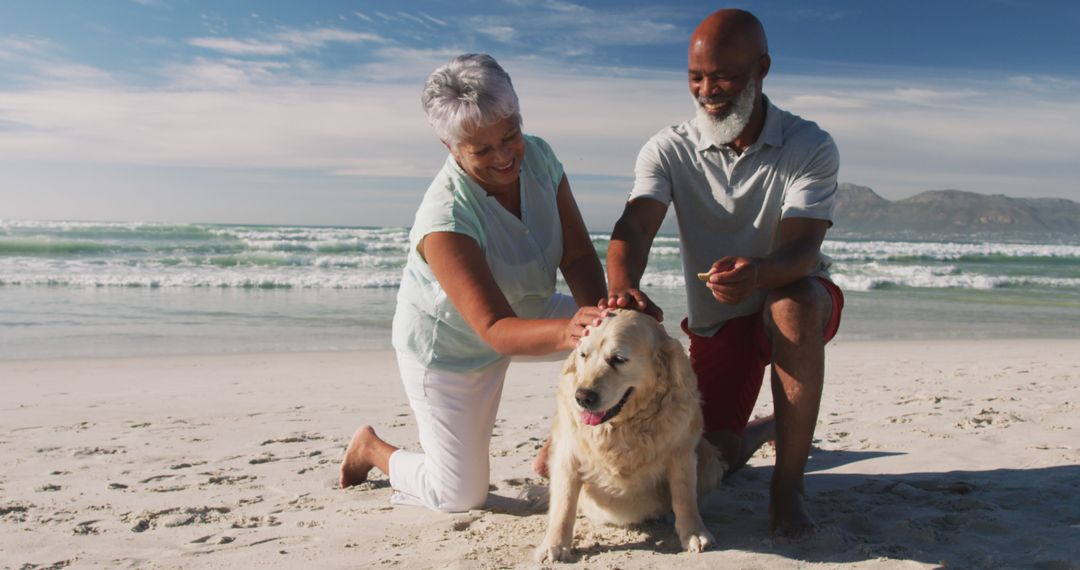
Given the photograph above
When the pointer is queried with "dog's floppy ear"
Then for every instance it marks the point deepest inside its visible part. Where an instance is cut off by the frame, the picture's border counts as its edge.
(673, 363)
(570, 366)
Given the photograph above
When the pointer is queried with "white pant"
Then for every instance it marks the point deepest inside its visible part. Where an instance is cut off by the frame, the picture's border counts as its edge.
(455, 413)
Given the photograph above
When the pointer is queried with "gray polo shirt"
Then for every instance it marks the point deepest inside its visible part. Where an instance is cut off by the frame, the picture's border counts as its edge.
(732, 204)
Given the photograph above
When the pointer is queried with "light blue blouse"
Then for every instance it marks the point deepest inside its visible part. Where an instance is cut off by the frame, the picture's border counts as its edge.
(523, 255)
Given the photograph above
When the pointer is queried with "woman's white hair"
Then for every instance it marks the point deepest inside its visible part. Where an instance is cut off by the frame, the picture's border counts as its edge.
(468, 93)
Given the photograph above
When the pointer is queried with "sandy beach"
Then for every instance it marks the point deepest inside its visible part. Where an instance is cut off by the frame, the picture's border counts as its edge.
(928, 454)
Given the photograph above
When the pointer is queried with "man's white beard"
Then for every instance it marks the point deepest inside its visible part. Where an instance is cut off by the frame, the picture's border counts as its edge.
(727, 129)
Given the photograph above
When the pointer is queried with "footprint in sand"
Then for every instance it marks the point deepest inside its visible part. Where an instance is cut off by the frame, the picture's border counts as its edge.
(303, 502)
(988, 417)
(15, 512)
(229, 479)
(97, 451)
(264, 458)
(256, 522)
(298, 438)
(270, 457)
(175, 517)
(224, 539)
(168, 489)
(185, 465)
(87, 528)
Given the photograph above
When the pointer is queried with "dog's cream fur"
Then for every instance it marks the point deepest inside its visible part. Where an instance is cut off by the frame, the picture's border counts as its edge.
(648, 459)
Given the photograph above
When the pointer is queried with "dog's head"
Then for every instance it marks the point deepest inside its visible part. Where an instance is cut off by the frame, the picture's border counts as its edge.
(621, 365)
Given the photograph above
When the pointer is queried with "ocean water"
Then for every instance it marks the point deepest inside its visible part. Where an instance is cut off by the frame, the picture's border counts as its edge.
(71, 289)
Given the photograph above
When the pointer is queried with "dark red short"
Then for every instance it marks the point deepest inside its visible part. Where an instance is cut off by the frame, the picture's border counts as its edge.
(730, 365)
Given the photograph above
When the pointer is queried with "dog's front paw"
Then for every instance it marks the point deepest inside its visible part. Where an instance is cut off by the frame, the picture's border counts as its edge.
(546, 553)
(697, 540)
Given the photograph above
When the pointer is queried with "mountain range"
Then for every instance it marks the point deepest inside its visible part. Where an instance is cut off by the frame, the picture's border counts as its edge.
(862, 212)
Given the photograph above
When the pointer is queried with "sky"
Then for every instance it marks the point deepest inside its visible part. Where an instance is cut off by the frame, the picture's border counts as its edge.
(287, 112)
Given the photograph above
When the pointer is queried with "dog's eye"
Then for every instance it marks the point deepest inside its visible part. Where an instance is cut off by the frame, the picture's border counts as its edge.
(616, 359)
(582, 354)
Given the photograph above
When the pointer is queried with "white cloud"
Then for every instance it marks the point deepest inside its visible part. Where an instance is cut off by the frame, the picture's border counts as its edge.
(984, 137)
(319, 37)
(559, 27)
(397, 64)
(240, 47)
(228, 74)
(504, 34)
(434, 20)
(899, 137)
(284, 42)
(414, 18)
(15, 48)
(70, 73)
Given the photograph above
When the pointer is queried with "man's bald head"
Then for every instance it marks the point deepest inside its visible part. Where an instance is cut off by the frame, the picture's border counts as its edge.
(733, 29)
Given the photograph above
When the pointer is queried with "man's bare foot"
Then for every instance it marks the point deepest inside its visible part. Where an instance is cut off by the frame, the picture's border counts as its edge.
(357, 462)
(540, 462)
(788, 517)
(736, 450)
(757, 433)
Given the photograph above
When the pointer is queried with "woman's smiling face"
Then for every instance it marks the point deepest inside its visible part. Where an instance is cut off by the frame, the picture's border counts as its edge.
(492, 155)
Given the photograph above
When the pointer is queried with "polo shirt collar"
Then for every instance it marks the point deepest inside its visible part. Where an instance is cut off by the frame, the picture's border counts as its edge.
(771, 132)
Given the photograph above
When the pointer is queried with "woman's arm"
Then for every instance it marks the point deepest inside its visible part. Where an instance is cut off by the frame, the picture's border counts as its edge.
(580, 265)
(459, 265)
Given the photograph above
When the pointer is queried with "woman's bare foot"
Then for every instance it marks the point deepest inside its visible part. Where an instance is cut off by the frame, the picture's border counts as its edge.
(788, 517)
(360, 456)
(540, 462)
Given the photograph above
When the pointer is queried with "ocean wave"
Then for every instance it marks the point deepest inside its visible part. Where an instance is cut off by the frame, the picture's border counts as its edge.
(227, 279)
(128, 231)
(43, 247)
(313, 235)
(663, 279)
(877, 276)
(946, 251)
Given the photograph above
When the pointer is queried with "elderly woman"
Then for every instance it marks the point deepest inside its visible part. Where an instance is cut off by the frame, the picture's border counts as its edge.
(478, 286)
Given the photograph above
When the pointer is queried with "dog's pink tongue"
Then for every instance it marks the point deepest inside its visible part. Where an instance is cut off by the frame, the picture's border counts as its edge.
(592, 418)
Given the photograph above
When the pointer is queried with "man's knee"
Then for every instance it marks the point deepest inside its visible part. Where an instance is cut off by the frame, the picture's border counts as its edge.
(798, 312)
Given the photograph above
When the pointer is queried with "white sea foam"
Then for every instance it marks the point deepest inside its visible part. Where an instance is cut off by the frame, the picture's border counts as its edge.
(663, 279)
(66, 225)
(862, 250)
(874, 275)
(95, 254)
(187, 276)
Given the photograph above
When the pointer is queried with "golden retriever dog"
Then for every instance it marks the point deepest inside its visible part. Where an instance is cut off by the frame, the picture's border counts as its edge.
(627, 442)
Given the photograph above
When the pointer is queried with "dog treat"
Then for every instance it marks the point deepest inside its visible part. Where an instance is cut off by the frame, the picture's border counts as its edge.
(704, 276)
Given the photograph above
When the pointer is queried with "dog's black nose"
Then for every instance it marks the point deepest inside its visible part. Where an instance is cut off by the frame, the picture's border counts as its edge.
(586, 398)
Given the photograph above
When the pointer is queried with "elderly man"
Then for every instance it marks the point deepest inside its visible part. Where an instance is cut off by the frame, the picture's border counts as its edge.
(753, 188)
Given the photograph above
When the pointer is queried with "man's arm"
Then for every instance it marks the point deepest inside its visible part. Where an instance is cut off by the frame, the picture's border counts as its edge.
(796, 253)
(628, 253)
